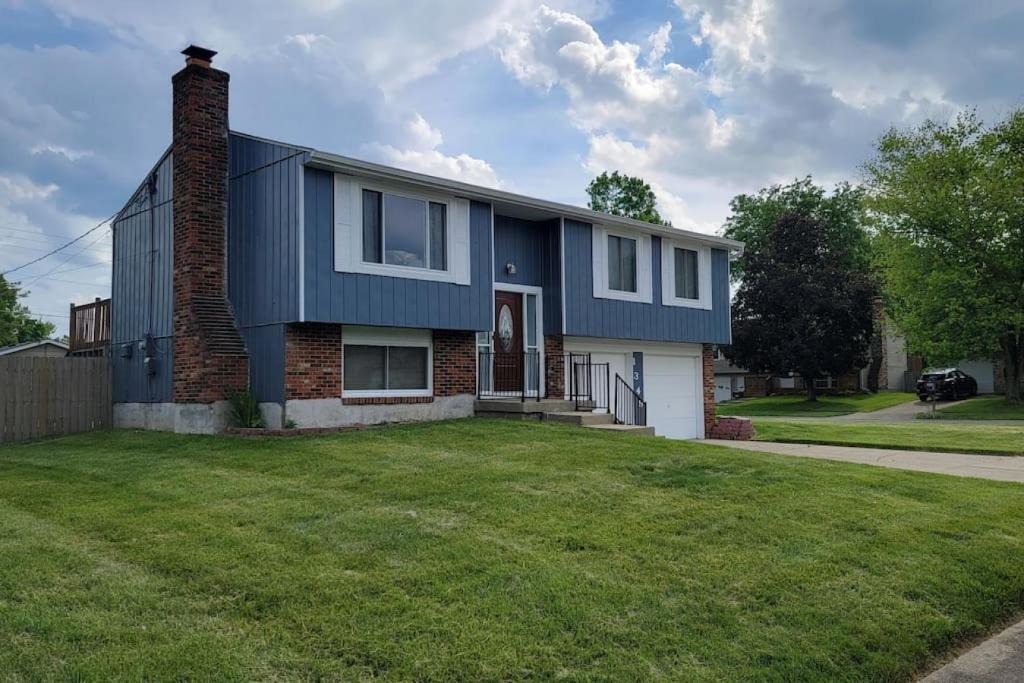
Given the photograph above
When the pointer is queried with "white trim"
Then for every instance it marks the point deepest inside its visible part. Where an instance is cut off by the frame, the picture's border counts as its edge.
(538, 322)
(348, 232)
(561, 250)
(302, 245)
(338, 163)
(668, 274)
(360, 335)
(490, 275)
(599, 243)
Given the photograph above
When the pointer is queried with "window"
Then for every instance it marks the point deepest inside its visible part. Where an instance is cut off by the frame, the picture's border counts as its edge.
(827, 382)
(687, 286)
(404, 231)
(621, 263)
(685, 274)
(400, 230)
(382, 362)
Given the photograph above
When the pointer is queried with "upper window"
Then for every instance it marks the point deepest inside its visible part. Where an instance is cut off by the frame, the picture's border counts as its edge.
(685, 274)
(687, 283)
(404, 231)
(621, 263)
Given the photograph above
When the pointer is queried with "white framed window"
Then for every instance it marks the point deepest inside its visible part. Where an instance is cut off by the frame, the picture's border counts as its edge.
(685, 274)
(378, 361)
(622, 265)
(399, 231)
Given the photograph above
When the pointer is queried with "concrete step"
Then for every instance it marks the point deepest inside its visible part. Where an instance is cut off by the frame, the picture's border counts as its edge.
(628, 429)
(515, 407)
(584, 418)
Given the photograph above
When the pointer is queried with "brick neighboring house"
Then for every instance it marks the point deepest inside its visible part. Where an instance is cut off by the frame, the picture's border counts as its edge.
(345, 292)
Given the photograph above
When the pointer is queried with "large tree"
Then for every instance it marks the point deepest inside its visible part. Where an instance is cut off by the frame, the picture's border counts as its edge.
(801, 306)
(839, 214)
(623, 195)
(17, 325)
(949, 203)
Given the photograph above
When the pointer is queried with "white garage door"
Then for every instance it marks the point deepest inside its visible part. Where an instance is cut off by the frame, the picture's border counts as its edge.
(723, 389)
(983, 371)
(670, 389)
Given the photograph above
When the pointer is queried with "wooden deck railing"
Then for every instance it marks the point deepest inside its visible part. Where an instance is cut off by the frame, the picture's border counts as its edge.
(89, 329)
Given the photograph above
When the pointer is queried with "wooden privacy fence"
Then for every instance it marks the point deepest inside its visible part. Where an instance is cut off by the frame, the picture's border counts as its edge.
(50, 396)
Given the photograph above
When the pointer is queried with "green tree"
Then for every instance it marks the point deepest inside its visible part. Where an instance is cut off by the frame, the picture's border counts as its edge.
(949, 204)
(17, 325)
(840, 215)
(801, 307)
(623, 195)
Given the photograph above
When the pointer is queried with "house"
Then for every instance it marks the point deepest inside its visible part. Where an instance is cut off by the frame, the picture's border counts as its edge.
(346, 292)
(47, 348)
(730, 380)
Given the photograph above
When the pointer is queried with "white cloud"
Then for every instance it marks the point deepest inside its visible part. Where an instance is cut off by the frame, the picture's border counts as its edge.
(660, 41)
(60, 150)
(423, 156)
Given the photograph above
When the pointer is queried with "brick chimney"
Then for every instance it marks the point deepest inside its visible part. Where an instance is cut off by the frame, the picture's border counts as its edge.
(210, 360)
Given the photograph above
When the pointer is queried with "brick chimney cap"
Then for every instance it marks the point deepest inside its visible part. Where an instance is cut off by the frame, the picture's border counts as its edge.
(200, 53)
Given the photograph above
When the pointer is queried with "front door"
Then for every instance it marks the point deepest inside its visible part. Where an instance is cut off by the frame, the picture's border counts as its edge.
(508, 341)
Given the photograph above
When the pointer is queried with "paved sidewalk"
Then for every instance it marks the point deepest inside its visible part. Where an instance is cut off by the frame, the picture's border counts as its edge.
(999, 659)
(997, 467)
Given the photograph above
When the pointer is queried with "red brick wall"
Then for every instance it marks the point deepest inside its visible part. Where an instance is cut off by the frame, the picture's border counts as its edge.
(554, 359)
(209, 357)
(709, 388)
(312, 367)
(454, 362)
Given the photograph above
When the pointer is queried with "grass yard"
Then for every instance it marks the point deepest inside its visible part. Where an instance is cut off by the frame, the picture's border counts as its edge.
(984, 408)
(914, 435)
(488, 550)
(825, 406)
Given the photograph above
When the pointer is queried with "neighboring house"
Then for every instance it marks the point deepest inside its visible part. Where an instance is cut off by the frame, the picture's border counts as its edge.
(347, 292)
(46, 348)
(730, 380)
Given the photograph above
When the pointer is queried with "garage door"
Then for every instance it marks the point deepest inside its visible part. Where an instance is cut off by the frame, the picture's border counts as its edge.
(982, 371)
(670, 389)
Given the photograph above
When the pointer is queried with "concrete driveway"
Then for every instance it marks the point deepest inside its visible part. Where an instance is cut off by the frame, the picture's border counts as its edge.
(900, 413)
(996, 467)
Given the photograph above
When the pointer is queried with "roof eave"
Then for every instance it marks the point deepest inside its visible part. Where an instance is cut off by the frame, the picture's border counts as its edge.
(343, 164)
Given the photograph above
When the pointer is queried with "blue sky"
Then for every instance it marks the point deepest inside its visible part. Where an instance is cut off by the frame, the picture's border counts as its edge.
(704, 98)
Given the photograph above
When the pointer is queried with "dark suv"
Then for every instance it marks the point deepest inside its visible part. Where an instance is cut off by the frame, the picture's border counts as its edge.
(949, 383)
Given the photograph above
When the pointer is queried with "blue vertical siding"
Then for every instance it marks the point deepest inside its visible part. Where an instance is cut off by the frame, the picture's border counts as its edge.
(265, 345)
(552, 281)
(534, 247)
(264, 226)
(522, 243)
(264, 209)
(141, 291)
(588, 316)
(360, 299)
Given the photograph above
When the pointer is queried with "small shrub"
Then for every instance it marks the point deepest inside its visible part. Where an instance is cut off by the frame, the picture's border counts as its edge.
(291, 424)
(244, 410)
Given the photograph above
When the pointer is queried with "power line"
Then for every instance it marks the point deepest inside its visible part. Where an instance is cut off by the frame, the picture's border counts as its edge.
(63, 246)
(71, 256)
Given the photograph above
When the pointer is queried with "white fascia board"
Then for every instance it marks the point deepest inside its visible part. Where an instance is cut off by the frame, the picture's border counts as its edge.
(338, 163)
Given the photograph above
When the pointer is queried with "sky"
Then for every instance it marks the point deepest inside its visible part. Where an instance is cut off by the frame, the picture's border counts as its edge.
(705, 99)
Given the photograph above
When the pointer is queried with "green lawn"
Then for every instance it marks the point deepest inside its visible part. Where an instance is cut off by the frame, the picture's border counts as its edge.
(488, 550)
(984, 408)
(914, 435)
(825, 406)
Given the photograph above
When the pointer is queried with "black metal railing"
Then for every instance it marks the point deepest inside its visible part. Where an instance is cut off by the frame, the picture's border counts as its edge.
(630, 409)
(509, 375)
(587, 382)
